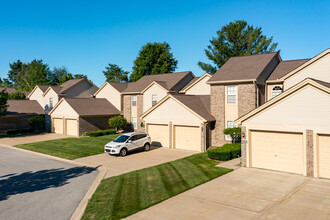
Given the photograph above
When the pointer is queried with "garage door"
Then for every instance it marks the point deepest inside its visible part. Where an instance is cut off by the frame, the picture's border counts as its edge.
(71, 126)
(324, 156)
(58, 125)
(187, 138)
(159, 134)
(277, 151)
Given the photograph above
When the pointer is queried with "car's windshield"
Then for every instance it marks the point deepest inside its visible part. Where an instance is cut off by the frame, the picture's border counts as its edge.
(121, 139)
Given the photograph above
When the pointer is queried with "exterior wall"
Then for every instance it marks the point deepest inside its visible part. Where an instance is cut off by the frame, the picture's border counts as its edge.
(87, 124)
(318, 70)
(14, 122)
(140, 99)
(147, 96)
(200, 88)
(111, 94)
(270, 88)
(50, 94)
(82, 90)
(218, 111)
(64, 109)
(127, 106)
(38, 95)
(231, 111)
(247, 98)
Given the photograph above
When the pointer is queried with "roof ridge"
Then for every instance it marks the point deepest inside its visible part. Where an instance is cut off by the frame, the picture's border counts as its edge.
(296, 60)
(253, 54)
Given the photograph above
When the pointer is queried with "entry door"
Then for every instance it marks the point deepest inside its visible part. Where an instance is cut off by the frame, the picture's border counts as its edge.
(277, 151)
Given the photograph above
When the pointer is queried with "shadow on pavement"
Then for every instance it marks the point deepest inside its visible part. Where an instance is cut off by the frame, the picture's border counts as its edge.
(39, 180)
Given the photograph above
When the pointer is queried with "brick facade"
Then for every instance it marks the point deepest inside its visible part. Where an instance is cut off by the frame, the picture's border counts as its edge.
(218, 111)
(243, 146)
(14, 122)
(309, 153)
(127, 107)
(139, 105)
(87, 124)
(247, 98)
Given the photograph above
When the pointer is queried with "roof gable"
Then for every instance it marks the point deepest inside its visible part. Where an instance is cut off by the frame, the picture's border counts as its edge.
(195, 81)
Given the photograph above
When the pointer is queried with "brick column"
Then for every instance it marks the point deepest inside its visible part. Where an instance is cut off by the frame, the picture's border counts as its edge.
(243, 146)
(203, 137)
(309, 153)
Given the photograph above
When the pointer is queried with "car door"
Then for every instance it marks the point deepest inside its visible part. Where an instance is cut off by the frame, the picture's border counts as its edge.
(131, 143)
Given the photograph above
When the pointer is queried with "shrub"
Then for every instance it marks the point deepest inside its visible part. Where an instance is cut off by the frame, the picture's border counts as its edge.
(36, 121)
(85, 134)
(235, 133)
(20, 131)
(226, 152)
(100, 133)
(117, 122)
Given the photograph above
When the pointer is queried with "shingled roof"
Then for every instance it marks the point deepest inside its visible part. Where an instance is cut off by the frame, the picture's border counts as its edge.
(168, 81)
(8, 90)
(284, 67)
(243, 67)
(119, 86)
(16, 107)
(92, 107)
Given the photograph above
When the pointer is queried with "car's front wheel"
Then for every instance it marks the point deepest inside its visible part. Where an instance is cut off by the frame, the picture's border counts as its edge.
(123, 152)
(146, 147)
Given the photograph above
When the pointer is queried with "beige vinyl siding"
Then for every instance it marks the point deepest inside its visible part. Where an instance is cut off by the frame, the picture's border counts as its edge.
(58, 125)
(38, 96)
(111, 94)
(200, 88)
(147, 96)
(159, 134)
(278, 151)
(318, 70)
(187, 138)
(50, 94)
(71, 127)
(324, 156)
(64, 109)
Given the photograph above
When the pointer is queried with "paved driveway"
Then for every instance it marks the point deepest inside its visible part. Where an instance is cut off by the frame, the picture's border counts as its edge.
(248, 194)
(35, 187)
(11, 141)
(117, 165)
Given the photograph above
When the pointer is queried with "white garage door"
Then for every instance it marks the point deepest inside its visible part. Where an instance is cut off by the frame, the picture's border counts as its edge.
(187, 138)
(58, 125)
(277, 151)
(159, 134)
(71, 126)
(324, 156)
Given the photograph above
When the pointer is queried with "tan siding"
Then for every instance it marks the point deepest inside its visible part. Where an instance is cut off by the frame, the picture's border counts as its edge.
(111, 94)
(64, 109)
(147, 96)
(200, 88)
(38, 95)
(50, 94)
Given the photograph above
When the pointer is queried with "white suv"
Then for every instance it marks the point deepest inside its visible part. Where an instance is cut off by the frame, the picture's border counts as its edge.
(128, 142)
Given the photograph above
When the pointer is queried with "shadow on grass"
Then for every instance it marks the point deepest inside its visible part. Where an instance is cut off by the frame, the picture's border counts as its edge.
(39, 180)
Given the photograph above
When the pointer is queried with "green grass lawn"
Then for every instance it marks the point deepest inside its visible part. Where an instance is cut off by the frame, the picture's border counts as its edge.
(121, 196)
(71, 148)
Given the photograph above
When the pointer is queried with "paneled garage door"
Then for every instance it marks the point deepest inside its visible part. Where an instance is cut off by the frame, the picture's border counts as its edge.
(324, 156)
(58, 125)
(187, 138)
(277, 151)
(71, 126)
(159, 134)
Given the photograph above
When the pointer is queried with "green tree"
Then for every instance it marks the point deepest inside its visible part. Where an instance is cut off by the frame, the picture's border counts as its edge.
(153, 58)
(236, 39)
(114, 73)
(3, 102)
(235, 133)
(14, 71)
(79, 76)
(117, 122)
(36, 121)
(16, 96)
(55, 76)
(5, 83)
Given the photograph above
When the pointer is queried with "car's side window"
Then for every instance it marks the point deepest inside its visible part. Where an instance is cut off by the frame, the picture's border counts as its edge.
(134, 138)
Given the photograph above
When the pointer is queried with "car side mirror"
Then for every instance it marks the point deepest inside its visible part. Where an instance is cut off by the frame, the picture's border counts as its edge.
(129, 141)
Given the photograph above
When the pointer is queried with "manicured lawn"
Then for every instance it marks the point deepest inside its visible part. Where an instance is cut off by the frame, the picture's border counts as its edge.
(71, 148)
(121, 196)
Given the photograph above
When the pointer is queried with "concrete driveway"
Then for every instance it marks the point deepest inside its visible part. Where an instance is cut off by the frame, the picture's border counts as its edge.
(11, 141)
(36, 187)
(117, 165)
(248, 194)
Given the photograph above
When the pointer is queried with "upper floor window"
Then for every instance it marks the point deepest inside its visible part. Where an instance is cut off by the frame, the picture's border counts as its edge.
(231, 94)
(154, 100)
(134, 98)
(276, 91)
(51, 102)
(134, 122)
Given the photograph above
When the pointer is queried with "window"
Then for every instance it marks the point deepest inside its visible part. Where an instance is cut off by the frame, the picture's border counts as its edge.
(276, 91)
(231, 94)
(50, 102)
(134, 98)
(154, 100)
(230, 124)
(133, 138)
(134, 122)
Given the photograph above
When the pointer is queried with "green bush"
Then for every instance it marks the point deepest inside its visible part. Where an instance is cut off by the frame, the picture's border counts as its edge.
(117, 122)
(85, 134)
(20, 131)
(226, 152)
(36, 121)
(100, 133)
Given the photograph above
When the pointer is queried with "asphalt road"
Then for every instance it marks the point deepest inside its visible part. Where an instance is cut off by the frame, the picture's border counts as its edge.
(35, 187)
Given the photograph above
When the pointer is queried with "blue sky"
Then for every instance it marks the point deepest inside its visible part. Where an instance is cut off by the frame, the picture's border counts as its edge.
(85, 36)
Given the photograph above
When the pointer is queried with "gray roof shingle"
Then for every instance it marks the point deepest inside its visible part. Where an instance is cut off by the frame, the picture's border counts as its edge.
(284, 67)
(16, 107)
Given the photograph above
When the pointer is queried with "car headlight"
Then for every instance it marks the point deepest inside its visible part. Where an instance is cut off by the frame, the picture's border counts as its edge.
(118, 146)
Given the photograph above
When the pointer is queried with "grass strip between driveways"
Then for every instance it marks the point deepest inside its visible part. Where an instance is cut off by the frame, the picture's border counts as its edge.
(123, 195)
(70, 148)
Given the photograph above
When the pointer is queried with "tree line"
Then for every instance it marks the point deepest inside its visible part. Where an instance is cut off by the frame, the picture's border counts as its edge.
(234, 39)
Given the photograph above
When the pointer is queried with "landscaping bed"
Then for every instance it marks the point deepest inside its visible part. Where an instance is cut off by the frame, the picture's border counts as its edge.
(70, 148)
(226, 152)
(126, 194)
